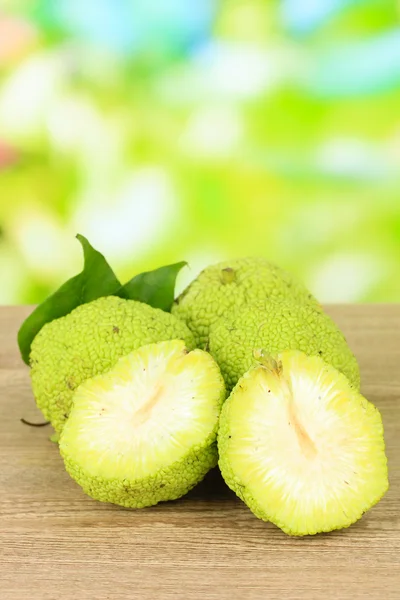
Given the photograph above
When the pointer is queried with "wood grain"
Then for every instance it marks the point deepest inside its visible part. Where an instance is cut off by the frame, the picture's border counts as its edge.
(57, 543)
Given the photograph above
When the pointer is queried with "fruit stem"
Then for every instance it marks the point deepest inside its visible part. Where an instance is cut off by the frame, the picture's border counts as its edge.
(228, 275)
(25, 422)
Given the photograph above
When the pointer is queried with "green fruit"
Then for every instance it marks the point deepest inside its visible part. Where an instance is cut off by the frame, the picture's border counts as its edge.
(146, 430)
(278, 326)
(89, 341)
(301, 447)
(225, 286)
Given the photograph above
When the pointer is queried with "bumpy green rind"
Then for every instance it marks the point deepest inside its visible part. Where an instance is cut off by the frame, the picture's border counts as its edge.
(169, 483)
(277, 327)
(88, 342)
(217, 291)
(230, 477)
(235, 483)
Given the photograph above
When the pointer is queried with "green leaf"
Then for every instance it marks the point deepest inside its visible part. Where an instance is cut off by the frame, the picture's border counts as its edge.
(156, 288)
(97, 279)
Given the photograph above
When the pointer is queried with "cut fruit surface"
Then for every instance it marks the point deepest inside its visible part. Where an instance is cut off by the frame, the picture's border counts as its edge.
(301, 447)
(146, 430)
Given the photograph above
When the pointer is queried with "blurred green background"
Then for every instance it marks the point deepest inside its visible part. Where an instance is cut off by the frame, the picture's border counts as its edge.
(175, 130)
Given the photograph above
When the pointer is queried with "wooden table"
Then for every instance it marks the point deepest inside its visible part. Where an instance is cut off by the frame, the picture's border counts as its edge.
(56, 543)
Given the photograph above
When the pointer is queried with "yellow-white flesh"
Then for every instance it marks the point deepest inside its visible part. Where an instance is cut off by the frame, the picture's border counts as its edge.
(154, 406)
(306, 449)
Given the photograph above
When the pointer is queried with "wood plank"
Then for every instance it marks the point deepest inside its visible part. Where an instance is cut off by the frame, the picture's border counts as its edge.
(57, 543)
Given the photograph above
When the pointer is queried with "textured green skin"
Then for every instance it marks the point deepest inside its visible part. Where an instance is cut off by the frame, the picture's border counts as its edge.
(255, 279)
(88, 342)
(169, 484)
(225, 438)
(227, 472)
(279, 326)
